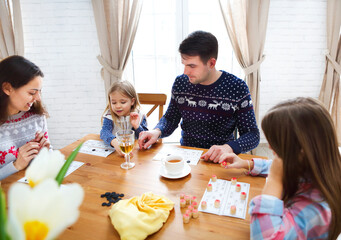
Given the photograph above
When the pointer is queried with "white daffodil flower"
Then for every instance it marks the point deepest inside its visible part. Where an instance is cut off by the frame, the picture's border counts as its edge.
(45, 165)
(42, 212)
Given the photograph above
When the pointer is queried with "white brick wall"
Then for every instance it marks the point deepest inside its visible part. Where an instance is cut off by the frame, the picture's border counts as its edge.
(60, 37)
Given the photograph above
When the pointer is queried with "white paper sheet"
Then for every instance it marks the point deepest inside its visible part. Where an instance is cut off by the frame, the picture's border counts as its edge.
(226, 193)
(73, 166)
(97, 148)
(191, 156)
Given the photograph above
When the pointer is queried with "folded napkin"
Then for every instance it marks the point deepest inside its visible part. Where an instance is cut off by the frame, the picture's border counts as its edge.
(140, 216)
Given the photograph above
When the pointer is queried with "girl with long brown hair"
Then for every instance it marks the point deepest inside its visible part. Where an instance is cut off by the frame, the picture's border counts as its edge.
(302, 196)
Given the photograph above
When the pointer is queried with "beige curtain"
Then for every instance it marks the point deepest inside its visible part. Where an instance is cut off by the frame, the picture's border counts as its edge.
(330, 89)
(11, 31)
(116, 22)
(246, 22)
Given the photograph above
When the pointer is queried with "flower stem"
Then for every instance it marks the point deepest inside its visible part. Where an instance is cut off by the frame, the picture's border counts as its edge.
(3, 218)
(63, 170)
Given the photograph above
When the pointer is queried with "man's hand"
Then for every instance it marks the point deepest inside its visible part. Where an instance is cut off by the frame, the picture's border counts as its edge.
(147, 138)
(215, 152)
(135, 120)
(25, 154)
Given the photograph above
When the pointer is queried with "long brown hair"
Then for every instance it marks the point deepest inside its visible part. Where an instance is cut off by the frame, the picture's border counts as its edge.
(17, 71)
(302, 134)
(128, 90)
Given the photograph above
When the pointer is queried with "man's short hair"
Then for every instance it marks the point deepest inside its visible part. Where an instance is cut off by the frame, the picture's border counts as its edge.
(200, 43)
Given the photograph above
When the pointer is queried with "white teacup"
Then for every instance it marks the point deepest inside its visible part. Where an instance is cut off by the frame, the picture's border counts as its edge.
(174, 164)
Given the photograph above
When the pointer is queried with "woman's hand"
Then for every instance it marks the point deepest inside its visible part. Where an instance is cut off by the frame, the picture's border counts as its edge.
(25, 155)
(42, 139)
(274, 184)
(135, 120)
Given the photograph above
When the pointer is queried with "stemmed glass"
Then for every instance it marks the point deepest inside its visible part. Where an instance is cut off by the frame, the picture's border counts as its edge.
(126, 140)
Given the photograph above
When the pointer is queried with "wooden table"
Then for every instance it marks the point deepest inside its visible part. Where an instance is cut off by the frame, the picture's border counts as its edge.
(99, 175)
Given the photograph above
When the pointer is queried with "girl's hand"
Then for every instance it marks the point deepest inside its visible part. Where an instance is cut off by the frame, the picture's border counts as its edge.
(42, 139)
(234, 160)
(274, 185)
(135, 120)
(25, 155)
(276, 170)
(116, 145)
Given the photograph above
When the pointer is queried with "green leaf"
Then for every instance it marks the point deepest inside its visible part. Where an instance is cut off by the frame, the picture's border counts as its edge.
(63, 170)
(3, 218)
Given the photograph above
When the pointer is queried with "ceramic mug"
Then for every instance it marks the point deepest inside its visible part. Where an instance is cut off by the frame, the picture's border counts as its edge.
(174, 164)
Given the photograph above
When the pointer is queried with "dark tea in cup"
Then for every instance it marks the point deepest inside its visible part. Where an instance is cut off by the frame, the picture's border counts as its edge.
(174, 160)
(174, 164)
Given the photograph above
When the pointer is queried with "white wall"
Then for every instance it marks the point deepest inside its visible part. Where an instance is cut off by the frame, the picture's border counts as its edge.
(294, 49)
(60, 37)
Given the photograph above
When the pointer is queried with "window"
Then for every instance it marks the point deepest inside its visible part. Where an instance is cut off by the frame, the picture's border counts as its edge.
(155, 61)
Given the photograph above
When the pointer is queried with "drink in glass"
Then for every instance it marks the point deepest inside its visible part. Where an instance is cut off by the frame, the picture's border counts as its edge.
(126, 140)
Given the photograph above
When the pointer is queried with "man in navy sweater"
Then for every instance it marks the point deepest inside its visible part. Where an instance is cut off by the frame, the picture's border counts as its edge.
(210, 103)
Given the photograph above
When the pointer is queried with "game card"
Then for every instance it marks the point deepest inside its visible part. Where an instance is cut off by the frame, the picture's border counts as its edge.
(97, 148)
(229, 196)
(192, 157)
(73, 167)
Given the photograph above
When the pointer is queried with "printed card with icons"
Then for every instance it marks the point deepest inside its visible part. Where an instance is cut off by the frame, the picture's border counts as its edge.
(73, 167)
(227, 198)
(191, 156)
(97, 148)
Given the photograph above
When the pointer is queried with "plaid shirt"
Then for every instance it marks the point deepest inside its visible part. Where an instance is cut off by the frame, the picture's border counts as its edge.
(307, 217)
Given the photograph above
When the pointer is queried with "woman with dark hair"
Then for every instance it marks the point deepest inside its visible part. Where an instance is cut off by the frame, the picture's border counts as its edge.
(301, 198)
(23, 129)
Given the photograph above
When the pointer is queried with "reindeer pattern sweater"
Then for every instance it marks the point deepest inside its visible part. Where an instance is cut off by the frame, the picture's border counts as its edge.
(209, 114)
(16, 132)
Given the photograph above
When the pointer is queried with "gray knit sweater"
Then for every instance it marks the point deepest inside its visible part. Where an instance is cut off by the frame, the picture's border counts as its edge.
(14, 133)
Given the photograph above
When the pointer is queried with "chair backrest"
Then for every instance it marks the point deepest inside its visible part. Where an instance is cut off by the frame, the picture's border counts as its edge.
(156, 99)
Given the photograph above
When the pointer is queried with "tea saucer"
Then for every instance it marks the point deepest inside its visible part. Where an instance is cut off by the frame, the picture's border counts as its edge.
(184, 173)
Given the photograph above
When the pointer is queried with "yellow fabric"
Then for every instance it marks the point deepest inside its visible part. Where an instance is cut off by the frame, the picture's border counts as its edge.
(140, 216)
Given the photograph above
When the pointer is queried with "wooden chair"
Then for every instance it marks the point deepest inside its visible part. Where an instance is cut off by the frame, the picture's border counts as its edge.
(156, 99)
